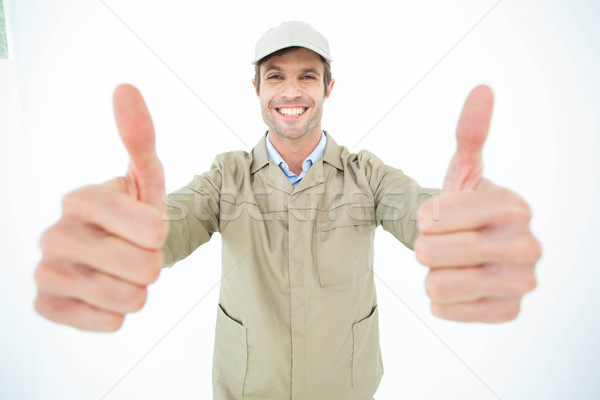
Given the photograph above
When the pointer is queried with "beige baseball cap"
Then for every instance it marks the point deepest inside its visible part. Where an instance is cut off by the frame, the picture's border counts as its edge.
(290, 34)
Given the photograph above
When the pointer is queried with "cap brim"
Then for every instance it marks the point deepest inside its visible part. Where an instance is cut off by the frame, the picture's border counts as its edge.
(294, 44)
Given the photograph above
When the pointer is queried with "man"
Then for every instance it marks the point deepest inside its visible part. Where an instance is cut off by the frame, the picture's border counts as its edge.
(297, 316)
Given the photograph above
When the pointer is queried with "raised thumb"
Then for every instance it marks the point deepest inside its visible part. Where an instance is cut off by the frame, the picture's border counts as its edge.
(466, 166)
(145, 175)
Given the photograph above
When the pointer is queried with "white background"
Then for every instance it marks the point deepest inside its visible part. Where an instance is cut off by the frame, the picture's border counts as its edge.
(58, 133)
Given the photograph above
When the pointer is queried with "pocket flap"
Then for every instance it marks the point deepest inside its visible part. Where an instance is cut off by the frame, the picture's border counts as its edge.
(230, 357)
(367, 365)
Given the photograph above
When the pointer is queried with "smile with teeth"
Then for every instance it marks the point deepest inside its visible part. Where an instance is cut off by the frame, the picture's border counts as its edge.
(291, 111)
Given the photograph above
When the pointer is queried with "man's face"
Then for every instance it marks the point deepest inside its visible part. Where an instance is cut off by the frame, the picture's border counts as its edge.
(292, 93)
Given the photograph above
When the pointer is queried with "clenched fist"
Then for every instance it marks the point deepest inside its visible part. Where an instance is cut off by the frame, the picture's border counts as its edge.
(99, 258)
(475, 236)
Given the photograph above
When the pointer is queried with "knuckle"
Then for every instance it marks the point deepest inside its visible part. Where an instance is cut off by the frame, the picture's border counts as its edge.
(73, 203)
(425, 216)
(112, 323)
(39, 275)
(523, 208)
(44, 240)
(535, 249)
(515, 256)
(158, 232)
(525, 251)
(80, 203)
(508, 203)
(514, 281)
(40, 305)
(423, 253)
(118, 185)
(51, 239)
(50, 277)
(159, 260)
(48, 306)
(510, 311)
(439, 310)
(151, 267)
(434, 287)
(529, 284)
(504, 311)
(43, 276)
(517, 208)
(135, 298)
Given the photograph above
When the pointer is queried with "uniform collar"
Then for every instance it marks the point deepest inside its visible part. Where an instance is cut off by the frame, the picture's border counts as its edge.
(260, 157)
(312, 158)
(332, 155)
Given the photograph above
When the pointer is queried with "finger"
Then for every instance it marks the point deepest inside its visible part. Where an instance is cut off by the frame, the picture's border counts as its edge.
(76, 313)
(518, 248)
(137, 133)
(466, 166)
(466, 284)
(90, 286)
(108, 207)
(491, 310)
(468, 248)
(78, 243)
(489, 206)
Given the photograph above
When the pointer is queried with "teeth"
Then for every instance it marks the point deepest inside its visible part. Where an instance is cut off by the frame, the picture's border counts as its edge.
(291, 112)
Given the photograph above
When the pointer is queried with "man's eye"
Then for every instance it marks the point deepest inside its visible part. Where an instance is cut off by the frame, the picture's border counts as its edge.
(274, 77)
(308, 77)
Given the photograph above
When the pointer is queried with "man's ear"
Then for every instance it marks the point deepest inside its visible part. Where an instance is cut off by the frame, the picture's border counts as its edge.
(254, 84)
(329, 89)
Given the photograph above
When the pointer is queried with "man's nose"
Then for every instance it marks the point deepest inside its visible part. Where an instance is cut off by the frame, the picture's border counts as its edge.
(291, 90)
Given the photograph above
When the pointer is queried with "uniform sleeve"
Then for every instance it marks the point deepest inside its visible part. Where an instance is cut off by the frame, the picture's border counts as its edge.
(397, 198)
(193, 213)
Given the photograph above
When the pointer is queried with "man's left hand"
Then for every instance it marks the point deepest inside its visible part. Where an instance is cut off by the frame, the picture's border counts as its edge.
(475, 236)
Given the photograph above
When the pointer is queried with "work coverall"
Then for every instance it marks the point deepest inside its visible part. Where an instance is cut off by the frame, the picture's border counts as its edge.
(297, 316)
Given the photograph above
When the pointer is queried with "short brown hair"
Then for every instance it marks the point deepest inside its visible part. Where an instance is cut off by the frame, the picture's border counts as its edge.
(326, 73)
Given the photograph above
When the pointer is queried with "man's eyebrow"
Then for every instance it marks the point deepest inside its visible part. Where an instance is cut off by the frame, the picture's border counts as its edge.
(277, 68)
(311, 71)
(271, 67)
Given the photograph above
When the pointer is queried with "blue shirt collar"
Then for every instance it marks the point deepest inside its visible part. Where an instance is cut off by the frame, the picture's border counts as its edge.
(313, 157)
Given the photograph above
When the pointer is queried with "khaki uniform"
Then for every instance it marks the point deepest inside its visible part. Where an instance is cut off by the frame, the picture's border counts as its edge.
(297, 317)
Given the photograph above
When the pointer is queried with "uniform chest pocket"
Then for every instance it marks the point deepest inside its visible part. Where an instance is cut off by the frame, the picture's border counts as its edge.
(344, 243)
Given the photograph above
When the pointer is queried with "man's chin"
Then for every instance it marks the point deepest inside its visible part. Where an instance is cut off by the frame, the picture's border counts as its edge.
(291, 134)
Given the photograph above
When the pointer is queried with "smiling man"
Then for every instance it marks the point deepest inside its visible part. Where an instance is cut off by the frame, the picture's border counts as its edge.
(292, 91)
(297, 316)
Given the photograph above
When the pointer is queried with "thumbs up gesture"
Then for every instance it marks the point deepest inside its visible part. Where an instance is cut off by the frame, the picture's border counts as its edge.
(99, 258)
(475, 236)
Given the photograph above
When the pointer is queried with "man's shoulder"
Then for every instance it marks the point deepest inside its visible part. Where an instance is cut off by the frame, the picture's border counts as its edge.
(343, 157)
(359, 159)
(234, 159)
(234, 156)
(252, 160)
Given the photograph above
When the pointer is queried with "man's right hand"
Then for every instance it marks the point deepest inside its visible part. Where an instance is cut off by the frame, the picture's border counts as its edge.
(99, 258)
